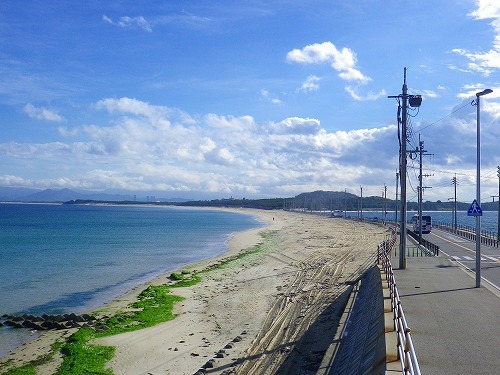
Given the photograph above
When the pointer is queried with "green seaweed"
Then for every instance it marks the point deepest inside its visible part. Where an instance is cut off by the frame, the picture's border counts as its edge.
(155, 305)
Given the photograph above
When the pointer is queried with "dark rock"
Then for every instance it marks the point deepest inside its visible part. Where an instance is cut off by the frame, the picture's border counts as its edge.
(88, 317)
(209, 364)
(17, 319)
(58, 318)
(49, 324)
(29, 324)
(13, 324)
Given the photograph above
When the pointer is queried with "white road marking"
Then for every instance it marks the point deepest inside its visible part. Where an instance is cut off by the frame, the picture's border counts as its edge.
(486, 256)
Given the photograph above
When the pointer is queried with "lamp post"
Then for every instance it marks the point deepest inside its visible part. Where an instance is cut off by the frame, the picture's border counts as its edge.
(478, 187)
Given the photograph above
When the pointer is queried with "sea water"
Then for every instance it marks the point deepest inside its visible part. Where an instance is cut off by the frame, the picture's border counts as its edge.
(57, 259)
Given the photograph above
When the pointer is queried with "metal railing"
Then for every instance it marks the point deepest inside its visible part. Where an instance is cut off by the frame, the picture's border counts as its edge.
(487, 237)
(406, 350)
(432, 249)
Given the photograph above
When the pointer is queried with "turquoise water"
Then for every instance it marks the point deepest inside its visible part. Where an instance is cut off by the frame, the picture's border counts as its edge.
(71, 258)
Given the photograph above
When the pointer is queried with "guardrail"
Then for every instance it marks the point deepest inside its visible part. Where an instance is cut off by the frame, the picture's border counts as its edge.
(406, 350)
(434, 249)
(465, 231)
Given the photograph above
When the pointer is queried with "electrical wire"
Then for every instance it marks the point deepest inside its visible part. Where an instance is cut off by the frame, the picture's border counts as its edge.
(442, 118)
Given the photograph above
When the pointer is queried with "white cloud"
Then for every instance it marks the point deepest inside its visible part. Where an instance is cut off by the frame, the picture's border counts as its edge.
(469, 91)
(150, 147)
(485, 62)
(343, 61)
(130, 22)
(368, 97)
(310, 84)
(266, 95)
(297, 125)
(40, 113)
(135, 150)
(65, 132)
(486, 9)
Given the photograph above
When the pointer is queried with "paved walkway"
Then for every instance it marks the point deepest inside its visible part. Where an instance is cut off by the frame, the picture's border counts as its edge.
(455, 327)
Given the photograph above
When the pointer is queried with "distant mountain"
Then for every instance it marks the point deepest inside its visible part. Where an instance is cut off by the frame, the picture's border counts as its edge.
(64, 195)
(8, 194)
(50, 195)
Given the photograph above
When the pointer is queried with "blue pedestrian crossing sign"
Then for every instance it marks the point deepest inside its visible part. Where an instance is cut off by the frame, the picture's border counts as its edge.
(474, 209)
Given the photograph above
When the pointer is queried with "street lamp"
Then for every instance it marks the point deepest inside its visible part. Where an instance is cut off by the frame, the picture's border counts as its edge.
(478, 188)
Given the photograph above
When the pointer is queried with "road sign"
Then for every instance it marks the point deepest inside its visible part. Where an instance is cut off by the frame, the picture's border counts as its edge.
(475, 209)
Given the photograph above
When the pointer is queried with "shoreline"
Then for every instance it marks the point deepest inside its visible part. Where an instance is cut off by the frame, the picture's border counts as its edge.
(34, 346)
(251, 314)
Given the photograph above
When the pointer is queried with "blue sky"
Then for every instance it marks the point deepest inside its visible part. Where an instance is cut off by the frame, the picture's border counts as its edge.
(246, 98)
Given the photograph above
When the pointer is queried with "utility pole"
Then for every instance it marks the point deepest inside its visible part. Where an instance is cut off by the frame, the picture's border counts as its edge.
(402, 172)
(396, 210)
(452, 214)
(454, 180)
(420, 144)
(345, 203)
(498, 221)
(361, 187)
(415, 101)
(421, 151)
(385, 203)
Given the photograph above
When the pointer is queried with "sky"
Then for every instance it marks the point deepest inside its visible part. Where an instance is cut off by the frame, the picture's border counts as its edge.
(247, 99)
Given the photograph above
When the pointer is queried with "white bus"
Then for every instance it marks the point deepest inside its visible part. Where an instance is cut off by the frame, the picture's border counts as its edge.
(426, 223)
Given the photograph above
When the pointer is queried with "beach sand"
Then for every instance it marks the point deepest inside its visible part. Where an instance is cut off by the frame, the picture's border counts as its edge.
(266, 313)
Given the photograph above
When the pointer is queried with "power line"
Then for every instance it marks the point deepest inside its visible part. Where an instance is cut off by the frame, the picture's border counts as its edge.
(442, 118)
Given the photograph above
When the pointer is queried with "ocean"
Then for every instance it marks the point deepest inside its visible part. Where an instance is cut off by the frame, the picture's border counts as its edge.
(58, 259)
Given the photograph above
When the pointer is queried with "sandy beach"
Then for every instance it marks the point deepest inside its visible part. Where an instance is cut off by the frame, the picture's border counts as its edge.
(261, 314)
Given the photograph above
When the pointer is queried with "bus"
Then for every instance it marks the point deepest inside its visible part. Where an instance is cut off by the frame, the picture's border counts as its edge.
(426, 223)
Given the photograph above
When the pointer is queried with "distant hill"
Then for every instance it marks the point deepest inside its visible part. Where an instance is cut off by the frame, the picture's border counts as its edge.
(339, 200)
(316, 200)
(8, 194)
(50, 195)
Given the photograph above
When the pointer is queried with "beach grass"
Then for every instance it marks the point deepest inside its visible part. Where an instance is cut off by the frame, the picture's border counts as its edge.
(154, 305)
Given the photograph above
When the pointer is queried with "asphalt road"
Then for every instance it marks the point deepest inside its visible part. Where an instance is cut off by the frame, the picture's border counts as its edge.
(463, 251)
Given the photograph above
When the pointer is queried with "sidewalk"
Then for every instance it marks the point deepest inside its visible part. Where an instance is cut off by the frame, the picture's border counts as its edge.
(455, 327)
